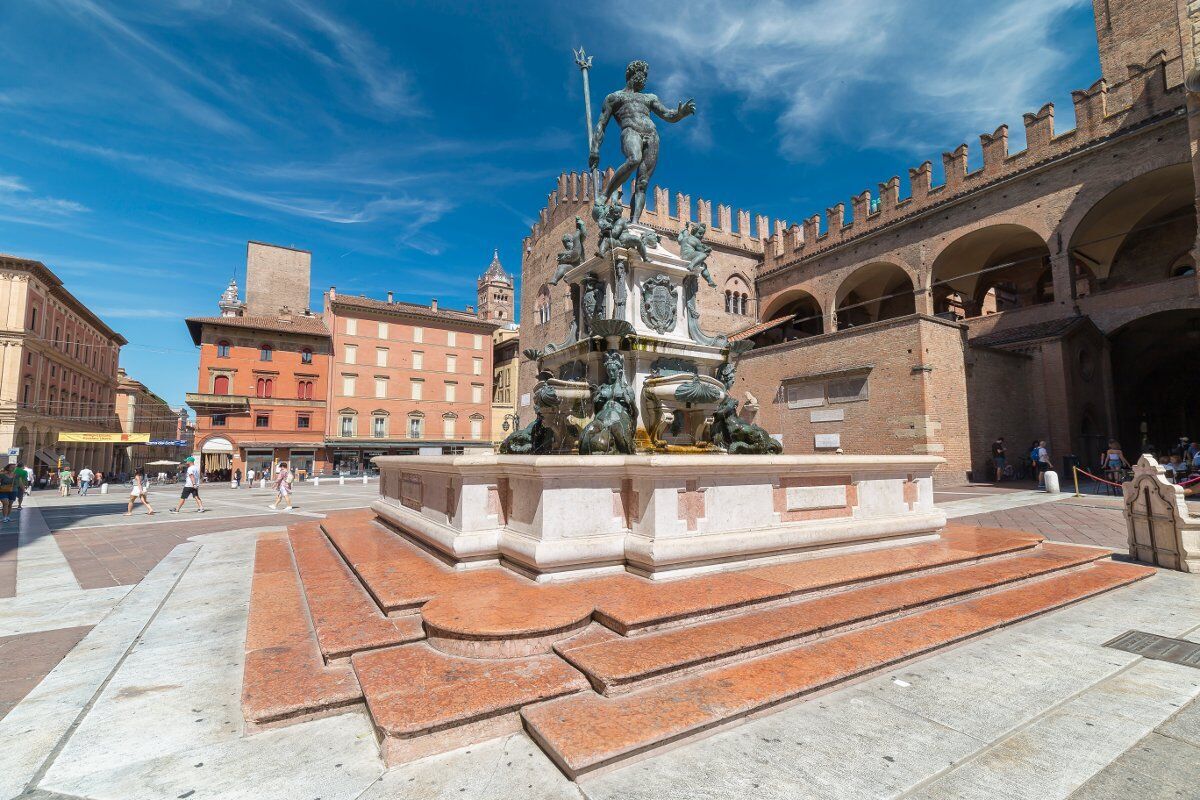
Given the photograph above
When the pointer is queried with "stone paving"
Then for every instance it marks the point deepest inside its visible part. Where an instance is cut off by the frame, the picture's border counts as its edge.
(148, 704)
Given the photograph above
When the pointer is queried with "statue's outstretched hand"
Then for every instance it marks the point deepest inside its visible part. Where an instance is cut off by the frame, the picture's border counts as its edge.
(687, 108)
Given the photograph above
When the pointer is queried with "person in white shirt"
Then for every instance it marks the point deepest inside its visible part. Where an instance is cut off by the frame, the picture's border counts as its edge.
(86, 476)
(283, 486)
(191, 486)
(249, 478)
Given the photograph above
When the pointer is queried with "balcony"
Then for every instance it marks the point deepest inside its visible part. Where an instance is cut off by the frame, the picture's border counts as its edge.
(202, 402)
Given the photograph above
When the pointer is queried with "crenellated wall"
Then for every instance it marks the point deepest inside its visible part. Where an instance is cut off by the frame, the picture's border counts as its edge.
(1151, 89)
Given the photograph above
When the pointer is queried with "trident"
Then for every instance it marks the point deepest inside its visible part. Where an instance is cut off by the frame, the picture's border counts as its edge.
(584, 62)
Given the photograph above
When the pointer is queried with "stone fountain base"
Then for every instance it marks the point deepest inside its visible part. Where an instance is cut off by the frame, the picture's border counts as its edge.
(654, 515)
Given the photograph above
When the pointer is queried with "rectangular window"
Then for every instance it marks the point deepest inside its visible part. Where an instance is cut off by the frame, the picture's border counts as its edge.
(381, 388)
(347, 386)
(33, 318)
(806, 395)
(418, 359)
(379, 427)
(476, 429)
(451, 338)
(476, 366)
(383, 330)
(476, 393)
(347, 425)
(381, 354)
(416, 426)
(418, 334)
(416, 389)
(262, 421)
(218, 420)
(265, 353)
(451, 363)
(478, 342)
(222, 349)
(448, 427)
(303, 422)
(352, 327)
(351, 354)
(451, 391)
(847, 390)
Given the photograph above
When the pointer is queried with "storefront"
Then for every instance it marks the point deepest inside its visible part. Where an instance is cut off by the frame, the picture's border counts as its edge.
(260, 461)
(216, 455)
(302, 463)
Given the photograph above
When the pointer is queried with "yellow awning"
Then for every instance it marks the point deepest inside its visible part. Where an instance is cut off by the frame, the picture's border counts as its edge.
(105, 438)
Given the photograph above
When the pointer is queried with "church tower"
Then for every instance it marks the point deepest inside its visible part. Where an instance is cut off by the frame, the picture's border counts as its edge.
(495, 289)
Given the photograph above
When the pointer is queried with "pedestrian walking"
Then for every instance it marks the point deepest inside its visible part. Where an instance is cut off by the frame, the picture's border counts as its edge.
(86, 476)
(65, 481)
(283, 486)
(191, 486)
(8, 490)
(23, 483)
(249, 478)
(139, 492)
(237, 477)
(1043, 461)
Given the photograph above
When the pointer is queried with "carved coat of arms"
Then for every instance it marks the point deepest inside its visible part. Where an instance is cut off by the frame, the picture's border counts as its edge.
(659, 301)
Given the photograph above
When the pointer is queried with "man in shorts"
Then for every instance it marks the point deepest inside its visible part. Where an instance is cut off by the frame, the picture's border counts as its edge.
(191, 486)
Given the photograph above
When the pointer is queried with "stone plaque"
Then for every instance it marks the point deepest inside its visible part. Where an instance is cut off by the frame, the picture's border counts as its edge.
(411, 489)
(800, 498)
(827, 415)
(827, 441)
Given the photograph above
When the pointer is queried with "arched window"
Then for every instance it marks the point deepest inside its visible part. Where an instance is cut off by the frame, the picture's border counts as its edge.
(306, 355)
(541, 305)
(222, 349)
(265, 352)
(737, 295)
(265, 387)
(221, 384)
(304, 390)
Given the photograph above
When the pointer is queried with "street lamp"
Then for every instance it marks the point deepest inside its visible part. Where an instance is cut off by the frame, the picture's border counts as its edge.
(516, 422)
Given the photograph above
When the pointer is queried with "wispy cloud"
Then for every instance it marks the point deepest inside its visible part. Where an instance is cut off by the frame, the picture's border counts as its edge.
(22, 205)
(859, 69)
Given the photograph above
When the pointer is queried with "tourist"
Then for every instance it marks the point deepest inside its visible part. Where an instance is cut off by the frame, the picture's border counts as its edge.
(8, 490)
(283, 486)
(1113, 460)
(1034, 467)
(139, 491)
(24, 483)
(1176, 469)
(999, 458)
(1043, 461)
(65, 481)
(237, 477)
(249, 478)
(191, 486)
(86, 476)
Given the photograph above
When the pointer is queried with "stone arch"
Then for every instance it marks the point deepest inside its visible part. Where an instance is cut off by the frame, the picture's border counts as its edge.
(738, 295)
(797, 313)
(993, 268)
(873, 292)
(1138, 231)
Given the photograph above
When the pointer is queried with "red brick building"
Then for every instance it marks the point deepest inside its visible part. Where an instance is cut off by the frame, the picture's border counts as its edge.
(1051, 293)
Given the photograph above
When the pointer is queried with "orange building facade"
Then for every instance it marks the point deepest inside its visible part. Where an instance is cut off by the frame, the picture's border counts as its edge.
(405, 379)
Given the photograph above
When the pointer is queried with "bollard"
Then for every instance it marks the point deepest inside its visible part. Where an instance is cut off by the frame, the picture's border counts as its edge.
(262, 483)
(364, 480)
(341, 480)
(104, 488)
(1051, 479)
(1075, 474)
(317, 481)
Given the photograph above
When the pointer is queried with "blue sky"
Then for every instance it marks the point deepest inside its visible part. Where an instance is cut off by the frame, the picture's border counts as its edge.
(144, 143)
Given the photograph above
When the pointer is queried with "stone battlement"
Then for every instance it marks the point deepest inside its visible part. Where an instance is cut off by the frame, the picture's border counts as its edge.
(1150, 90)
(574, 192)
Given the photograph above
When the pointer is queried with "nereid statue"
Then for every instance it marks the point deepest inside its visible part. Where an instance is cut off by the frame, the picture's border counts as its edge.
(639, 138)
(611, 431)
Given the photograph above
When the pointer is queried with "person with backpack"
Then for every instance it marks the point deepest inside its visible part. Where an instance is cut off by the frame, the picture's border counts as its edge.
(8, 490)
(283, 486)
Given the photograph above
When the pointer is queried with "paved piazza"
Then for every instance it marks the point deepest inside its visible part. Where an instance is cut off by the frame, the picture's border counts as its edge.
(122, 645)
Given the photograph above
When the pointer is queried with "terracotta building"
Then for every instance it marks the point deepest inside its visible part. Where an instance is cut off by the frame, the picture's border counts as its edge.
(1050, 293)
(58, 372)
(140, 410)
(405, 378)
(264, 372)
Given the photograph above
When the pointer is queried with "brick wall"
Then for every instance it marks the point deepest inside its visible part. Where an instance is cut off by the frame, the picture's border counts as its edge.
(276, 278)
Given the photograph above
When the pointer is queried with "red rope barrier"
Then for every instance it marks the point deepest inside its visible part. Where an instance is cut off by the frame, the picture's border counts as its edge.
(1096, 478)
(1189, 482)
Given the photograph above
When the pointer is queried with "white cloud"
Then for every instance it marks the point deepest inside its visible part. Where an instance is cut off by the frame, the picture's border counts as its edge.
(899, 75)
(23, 205)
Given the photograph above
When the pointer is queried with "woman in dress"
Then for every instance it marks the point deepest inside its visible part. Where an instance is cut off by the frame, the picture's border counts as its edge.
(138, 492)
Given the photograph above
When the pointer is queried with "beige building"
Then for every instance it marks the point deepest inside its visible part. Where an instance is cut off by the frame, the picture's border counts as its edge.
(142, 411)
(58, 370)
(506, 360)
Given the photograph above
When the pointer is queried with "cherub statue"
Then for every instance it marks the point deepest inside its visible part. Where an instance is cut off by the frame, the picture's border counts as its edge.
(573, 254)
(695, 251)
